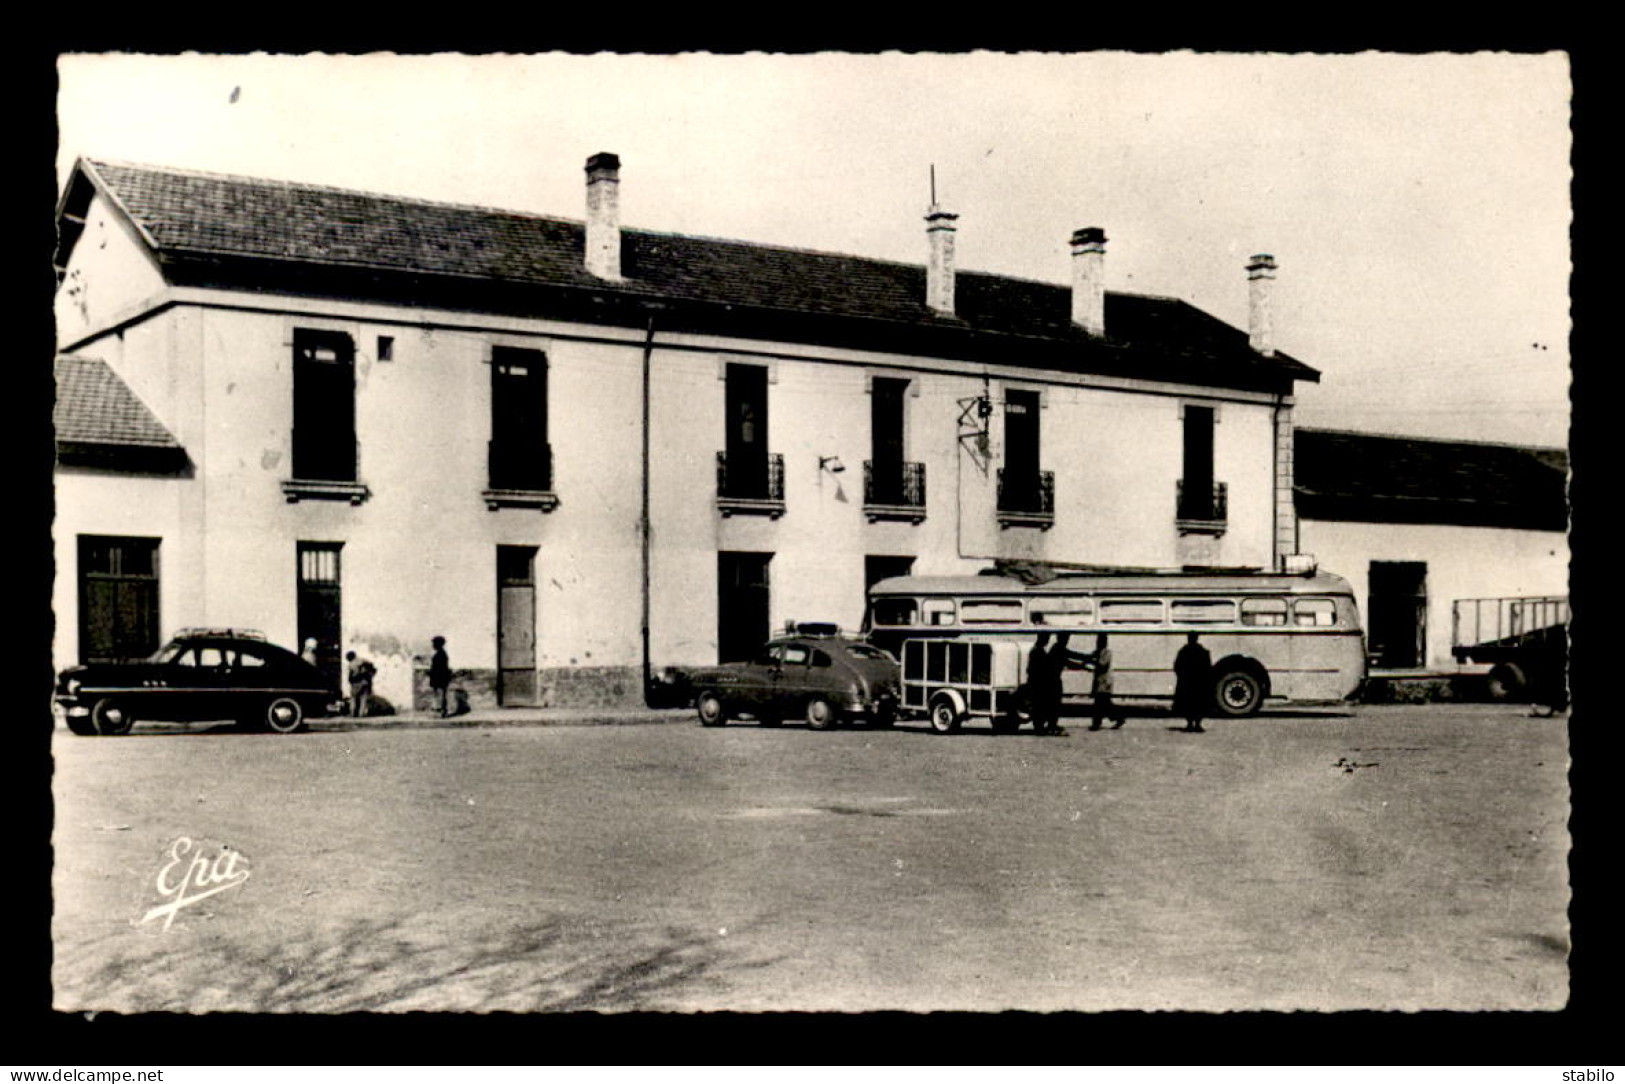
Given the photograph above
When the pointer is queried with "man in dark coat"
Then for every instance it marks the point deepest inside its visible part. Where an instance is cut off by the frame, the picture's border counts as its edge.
(440, 676)
(1193, 682)
(1043, 686)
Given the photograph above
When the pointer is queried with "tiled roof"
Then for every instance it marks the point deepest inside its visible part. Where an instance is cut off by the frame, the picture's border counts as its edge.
(1388, 479)
(100, 422)
(214, 230)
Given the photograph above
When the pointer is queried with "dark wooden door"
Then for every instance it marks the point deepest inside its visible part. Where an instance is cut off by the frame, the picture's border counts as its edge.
(743, 598)
(324, 406)
(320, 606)
(118, 598)
(1398, 602)
(1021, 435)
(886, 435)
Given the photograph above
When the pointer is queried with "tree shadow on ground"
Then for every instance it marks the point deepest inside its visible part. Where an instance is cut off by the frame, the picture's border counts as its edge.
(562, 965)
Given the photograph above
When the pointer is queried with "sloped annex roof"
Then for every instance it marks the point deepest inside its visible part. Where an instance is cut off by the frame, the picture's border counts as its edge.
(1368, 478)
(100, 422)
(212, 230)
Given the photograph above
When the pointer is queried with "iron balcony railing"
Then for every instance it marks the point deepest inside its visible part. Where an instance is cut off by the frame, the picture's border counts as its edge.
(1027, 493)
(896, 485)
(520, 465)
(1203, 504)
(750, 478)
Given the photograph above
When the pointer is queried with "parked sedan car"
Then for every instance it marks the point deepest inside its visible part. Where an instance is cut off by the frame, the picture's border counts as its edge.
(824, 679)
(201, 674)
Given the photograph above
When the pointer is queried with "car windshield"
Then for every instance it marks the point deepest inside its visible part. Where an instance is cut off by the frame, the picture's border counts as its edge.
(171, 651)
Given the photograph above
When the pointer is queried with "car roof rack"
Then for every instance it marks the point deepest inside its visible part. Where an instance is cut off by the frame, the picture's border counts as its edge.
(219, 634)
(826, 630)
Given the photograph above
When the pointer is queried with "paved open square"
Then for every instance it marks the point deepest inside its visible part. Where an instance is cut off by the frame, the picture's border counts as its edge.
(1401, 857)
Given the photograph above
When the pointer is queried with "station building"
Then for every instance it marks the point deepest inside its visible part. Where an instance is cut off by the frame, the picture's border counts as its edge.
(583, 452)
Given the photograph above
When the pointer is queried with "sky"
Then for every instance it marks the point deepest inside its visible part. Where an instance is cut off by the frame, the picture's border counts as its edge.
(1417, 205)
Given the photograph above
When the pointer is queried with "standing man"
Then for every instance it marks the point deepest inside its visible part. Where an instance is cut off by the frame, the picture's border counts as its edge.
(440, 676)
(1101, 663)
(309, 651)
(1043, 686)
(1193, 677)
(361, 672)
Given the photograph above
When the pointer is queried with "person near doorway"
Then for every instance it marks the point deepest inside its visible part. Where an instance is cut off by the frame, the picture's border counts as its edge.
(308, 652)
(1193, 676)
(440, 676)
(1100, 661)
(361, 674)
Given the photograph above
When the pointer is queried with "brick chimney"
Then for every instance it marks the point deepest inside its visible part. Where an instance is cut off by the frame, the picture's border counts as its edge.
(939, 273)
(1260, 321)
(1089, 280)
(603, 255)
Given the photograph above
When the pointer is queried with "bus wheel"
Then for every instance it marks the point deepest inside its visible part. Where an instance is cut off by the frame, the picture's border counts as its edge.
(1006, 724)
(1238, 692)
(945, 717)
(1507, 682)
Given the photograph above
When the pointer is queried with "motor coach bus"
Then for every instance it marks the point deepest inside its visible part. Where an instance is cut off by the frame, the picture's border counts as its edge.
(1273, 637)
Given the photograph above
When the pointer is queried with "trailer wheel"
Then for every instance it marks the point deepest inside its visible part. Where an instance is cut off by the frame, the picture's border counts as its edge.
(1507, 681)
(945, 714)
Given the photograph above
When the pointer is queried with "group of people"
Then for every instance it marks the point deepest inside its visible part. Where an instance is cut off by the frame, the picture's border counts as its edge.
(1048, 660)
(360, 673)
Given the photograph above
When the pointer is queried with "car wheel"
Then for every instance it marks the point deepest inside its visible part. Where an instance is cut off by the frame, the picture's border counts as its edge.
(284, 715)
(821, 714)
(81, 725)
(1238, 692)
(944, 715)
(109, 717)
(712, 713)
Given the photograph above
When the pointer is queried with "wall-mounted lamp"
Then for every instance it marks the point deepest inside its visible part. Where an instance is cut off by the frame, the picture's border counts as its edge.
(831, 463)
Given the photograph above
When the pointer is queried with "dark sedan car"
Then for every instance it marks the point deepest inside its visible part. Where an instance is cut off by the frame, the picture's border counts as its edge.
(202, 674)
(824, 679)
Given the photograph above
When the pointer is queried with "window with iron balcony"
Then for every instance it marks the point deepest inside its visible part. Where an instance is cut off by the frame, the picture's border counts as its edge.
(519, 459)
(323, 441)
(1202, 507)
(893, 490)
(1026, 498)
(750, 484)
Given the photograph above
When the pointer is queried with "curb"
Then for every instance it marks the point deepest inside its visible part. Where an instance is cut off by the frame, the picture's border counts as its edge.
(515, 717)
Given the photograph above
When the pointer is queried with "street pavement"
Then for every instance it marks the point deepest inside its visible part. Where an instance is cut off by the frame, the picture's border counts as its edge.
(1389, 858)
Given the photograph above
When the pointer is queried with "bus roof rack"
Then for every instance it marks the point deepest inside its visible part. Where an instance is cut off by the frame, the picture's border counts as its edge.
(1033, 573)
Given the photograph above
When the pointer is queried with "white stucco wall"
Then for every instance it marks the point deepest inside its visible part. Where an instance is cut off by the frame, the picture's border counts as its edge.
(1462, 562)
(109, 273)
(419, 554)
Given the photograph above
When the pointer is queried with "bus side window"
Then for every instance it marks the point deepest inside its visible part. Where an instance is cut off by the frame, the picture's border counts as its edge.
(1314, 613)
(938, 611)
(1202, 611)
(894, 611)
(1061, 611)
(1263, 612)
(1131, 611)
(990, 611)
